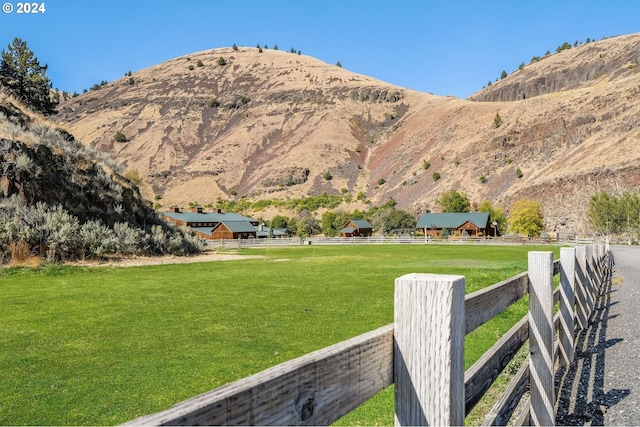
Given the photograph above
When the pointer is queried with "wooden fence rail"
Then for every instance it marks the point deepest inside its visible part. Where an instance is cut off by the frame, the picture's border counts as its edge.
(422, 353)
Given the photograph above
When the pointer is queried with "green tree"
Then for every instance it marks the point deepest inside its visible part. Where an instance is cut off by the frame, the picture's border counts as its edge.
(308, 226)
(496, 215)
(279, 221)
(398, 221)
(327, 224)
(454, 201)
(503, 75)
(605, 213)
(22, 76)
(221, 61)
(629, 213)
(436, 176)
(526, 218)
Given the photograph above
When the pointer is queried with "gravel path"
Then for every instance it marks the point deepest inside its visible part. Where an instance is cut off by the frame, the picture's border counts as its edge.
(602, 387)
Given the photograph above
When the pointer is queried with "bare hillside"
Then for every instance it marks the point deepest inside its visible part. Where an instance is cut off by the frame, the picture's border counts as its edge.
(272, 124)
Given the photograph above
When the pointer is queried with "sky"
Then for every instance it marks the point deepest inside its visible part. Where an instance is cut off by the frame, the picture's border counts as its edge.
(446, 48)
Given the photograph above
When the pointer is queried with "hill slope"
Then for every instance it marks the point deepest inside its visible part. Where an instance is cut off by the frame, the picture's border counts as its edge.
(61, 199)
(271, 124)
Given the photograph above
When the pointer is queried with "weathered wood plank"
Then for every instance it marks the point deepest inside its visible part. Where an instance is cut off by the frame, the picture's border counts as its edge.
(582, 304)
(315, 389)
(429, 343)
(483, 305)
(541, 332)
(524, 418)
(504, 408)
(590, 280)
(480, 376)
(567, 303)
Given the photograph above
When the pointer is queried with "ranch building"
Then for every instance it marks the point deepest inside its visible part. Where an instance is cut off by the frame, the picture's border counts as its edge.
(472, 224)
(218, 225)
(357, 228)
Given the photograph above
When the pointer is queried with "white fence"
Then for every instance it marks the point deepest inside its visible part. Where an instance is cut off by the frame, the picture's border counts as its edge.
(390, 240)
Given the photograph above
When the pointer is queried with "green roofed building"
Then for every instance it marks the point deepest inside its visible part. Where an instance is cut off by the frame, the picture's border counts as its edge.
(456, 224)
(218, 225)
(357, 228)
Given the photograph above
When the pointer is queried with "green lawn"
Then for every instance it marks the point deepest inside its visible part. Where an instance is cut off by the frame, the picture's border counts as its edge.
(100, 346)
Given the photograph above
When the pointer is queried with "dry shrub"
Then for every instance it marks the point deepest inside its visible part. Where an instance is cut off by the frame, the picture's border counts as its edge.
(21, 255)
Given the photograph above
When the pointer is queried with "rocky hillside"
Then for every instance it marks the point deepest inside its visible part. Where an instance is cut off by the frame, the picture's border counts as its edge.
(57, 195)
(230, 123)
(604, 61)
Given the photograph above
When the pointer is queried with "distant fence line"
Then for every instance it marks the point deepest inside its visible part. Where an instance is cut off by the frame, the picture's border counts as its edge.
(378, 240)
(422, 354)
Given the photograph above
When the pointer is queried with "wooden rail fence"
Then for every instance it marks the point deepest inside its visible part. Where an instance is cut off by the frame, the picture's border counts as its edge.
(422, 353)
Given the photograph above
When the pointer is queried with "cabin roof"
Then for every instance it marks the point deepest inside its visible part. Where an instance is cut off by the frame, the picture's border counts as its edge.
(453, 220)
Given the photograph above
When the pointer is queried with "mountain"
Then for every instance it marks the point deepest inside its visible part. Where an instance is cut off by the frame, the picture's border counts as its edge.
(271, 124)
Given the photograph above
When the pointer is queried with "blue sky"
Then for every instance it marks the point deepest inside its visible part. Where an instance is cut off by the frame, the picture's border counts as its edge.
(444, 47)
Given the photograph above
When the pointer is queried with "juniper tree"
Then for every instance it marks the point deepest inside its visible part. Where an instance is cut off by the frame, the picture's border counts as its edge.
(22, 76)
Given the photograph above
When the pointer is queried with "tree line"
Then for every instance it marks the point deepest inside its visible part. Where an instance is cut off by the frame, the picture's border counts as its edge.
(615, 215)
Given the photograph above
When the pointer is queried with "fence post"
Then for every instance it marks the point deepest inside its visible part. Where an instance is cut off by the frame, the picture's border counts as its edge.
(582, 306)
(567, 303)
(541, 331)
(591, 281)
(429, 330)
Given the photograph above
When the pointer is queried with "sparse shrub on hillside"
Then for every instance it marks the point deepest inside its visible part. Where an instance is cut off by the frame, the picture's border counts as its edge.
(497, 121)
(381, 182)
(436, 176)
(259, 49)
(338, 64)
(562, 47)
(275, 47)
(483, 179)
(425, 164)
(362, 196)
(131, 81)
(327, 176)
(120, 137)
(134, 176)
(222, 61)
(233, 192)
(214, 103)
(519, 173)
(191, 68)
(234, 47)
(24, 163)
(239, 101)
(199, 63)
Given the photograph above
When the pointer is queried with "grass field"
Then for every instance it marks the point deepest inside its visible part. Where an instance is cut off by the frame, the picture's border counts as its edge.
(100, 346)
